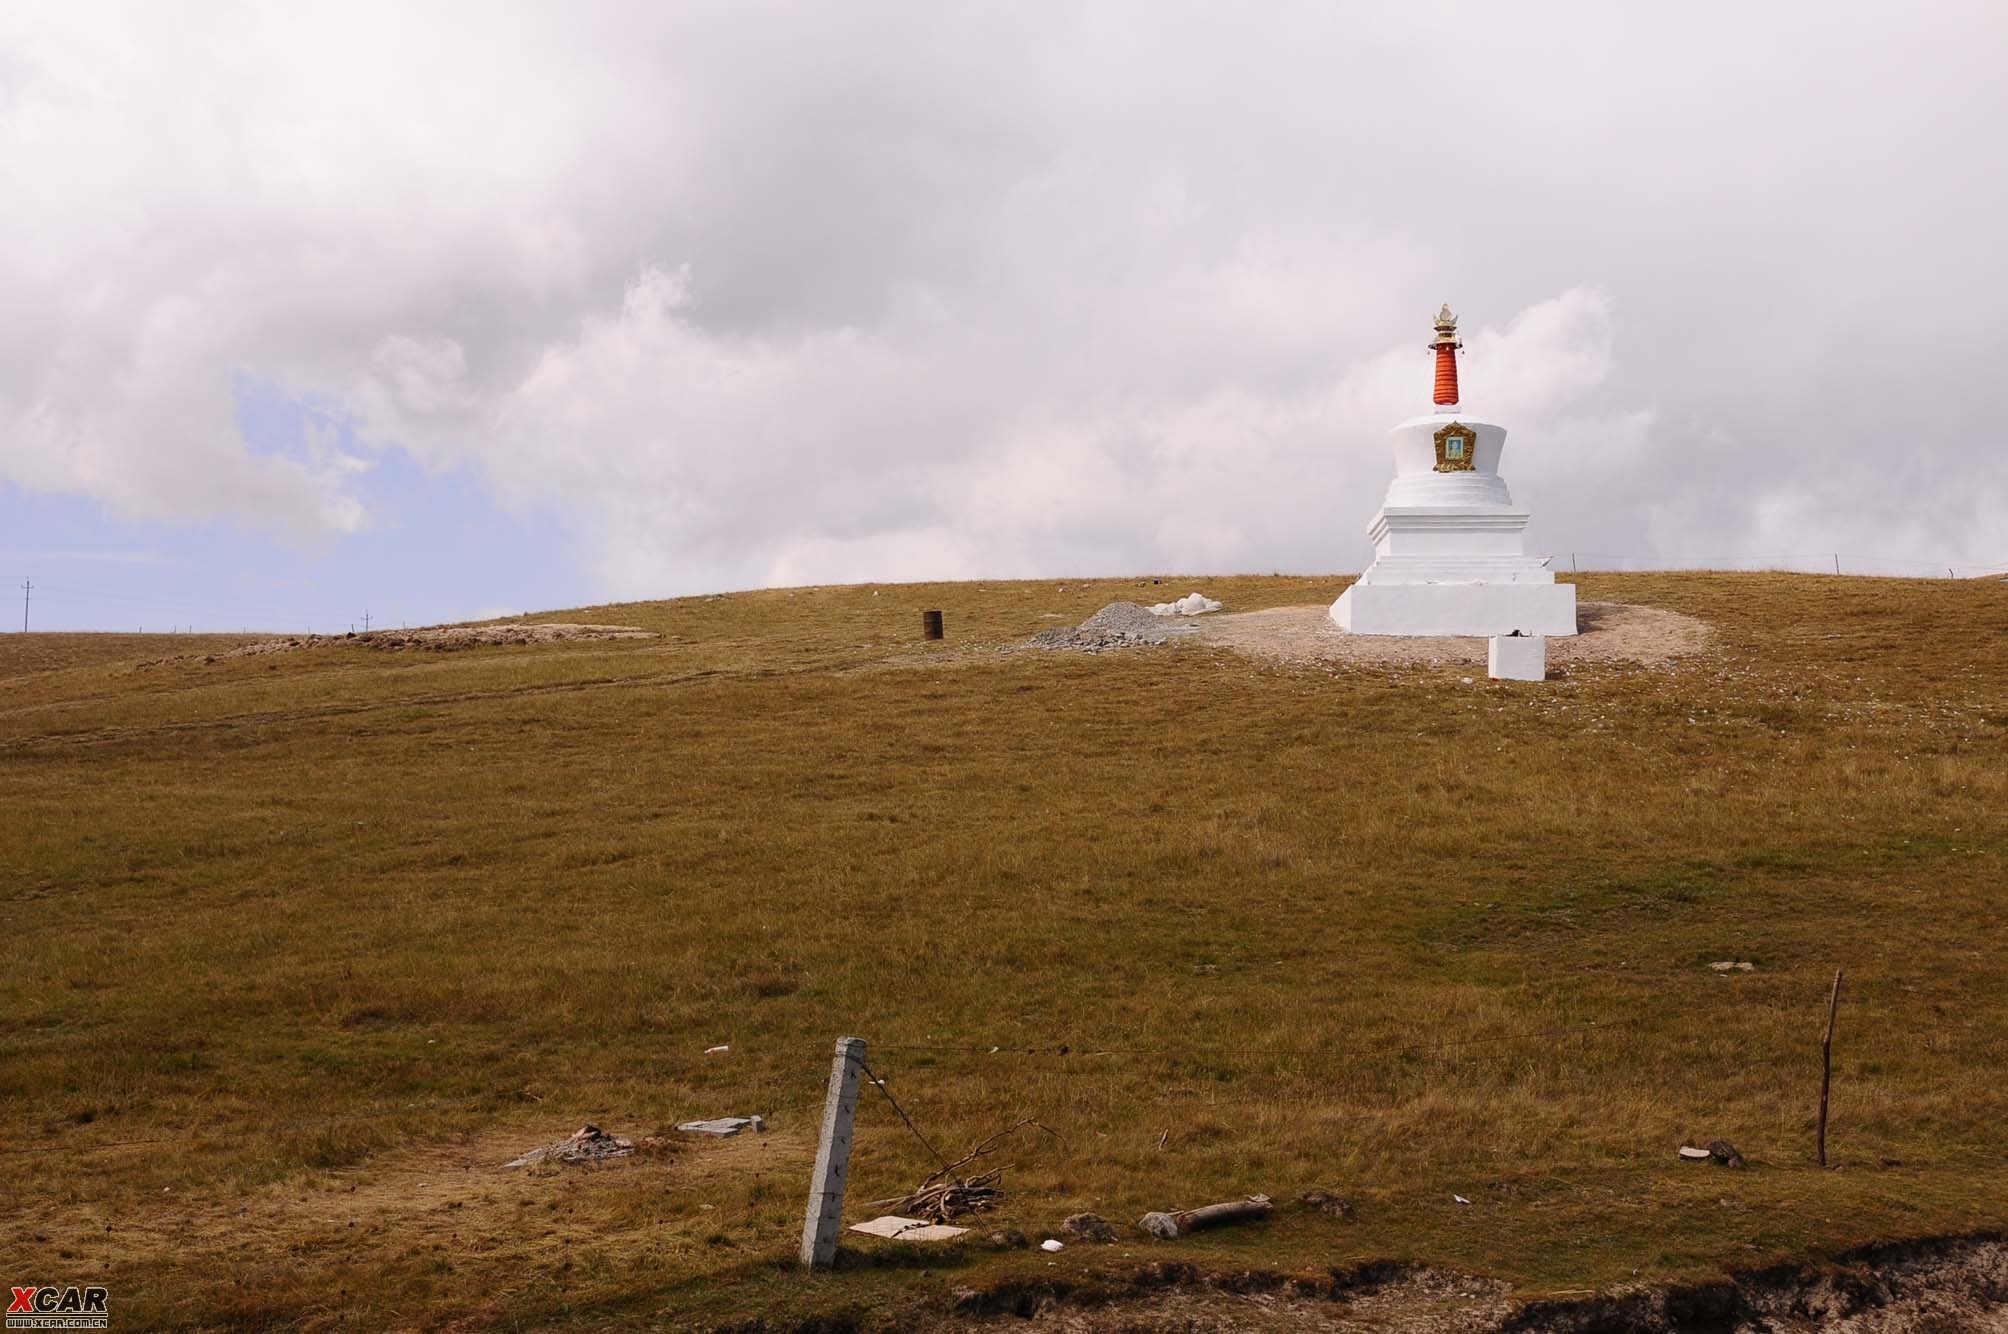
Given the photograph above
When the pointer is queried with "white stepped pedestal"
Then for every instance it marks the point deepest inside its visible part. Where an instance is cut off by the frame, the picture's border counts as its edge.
(1450, 552)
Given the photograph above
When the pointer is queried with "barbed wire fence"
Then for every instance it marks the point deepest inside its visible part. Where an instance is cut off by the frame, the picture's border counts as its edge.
(1081, 1059)
(1325, 1076)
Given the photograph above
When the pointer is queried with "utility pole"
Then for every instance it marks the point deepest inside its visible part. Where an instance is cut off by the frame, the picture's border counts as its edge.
(27, 591)
(366, 622)
(833, 1157)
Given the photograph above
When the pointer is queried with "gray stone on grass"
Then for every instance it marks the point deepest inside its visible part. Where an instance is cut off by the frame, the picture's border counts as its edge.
(1089, 1227)
(724, 1125)
(1324, 1202)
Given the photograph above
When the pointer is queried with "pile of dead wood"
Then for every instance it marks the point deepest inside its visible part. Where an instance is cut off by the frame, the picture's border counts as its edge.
(943, 1200)
(946, 1194)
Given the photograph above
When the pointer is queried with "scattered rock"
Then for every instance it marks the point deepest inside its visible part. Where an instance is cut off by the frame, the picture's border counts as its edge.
(586, 1144)
(1090, 1227)
(1160, 1225)
(445, 638)
(1050, 1245)
(1007, 1239)
(1326, 1203)
(1722, 1151)
(1733, 966)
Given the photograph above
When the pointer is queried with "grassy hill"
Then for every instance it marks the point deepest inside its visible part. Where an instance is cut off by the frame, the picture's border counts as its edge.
(306, 944)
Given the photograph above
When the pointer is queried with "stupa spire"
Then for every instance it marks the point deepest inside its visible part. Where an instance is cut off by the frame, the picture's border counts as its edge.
(1446, 344)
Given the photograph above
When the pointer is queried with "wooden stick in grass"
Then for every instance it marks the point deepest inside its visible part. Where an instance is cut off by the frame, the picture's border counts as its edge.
(1827, 1063)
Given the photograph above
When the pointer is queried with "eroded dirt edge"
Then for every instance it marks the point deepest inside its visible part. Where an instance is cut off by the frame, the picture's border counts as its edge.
(1936, 1283)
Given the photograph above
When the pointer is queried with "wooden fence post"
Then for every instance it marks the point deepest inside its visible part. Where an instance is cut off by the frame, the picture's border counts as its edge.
(833, 1156)
(1827, 1063)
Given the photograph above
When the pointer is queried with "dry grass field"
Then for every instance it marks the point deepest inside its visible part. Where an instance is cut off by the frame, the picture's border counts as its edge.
(305, 945)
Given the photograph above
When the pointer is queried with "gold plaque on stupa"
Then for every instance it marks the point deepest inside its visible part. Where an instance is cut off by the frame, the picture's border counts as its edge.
(1455, 445)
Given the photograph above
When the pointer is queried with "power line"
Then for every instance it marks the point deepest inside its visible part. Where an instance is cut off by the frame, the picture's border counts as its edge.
(879, 1084)
(1325, 1053)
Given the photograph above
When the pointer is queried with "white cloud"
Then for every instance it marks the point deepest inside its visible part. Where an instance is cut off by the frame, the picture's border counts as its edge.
(797, 294)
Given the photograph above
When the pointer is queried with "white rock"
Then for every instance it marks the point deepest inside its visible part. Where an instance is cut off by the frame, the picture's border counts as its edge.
(1192, 604)
(1050, 1245)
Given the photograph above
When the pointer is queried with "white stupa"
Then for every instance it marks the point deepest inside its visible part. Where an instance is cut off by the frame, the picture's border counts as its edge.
(1450, 554)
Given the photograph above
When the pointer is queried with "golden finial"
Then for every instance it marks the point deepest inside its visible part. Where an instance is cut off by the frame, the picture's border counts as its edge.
(1446, 329)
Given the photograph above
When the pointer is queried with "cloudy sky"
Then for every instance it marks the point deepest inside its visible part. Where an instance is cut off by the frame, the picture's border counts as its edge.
(436, 310)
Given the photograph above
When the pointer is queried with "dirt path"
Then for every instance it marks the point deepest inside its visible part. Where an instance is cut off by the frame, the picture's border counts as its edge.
(1609, 632)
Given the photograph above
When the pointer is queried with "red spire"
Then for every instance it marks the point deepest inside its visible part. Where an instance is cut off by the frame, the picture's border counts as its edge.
(1446, 344)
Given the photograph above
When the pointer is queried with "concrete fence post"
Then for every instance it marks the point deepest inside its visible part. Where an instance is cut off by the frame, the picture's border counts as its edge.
(833, 1156)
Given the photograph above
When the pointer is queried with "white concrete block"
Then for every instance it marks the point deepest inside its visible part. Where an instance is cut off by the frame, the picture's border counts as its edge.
(1457, 609)
(1517, 658)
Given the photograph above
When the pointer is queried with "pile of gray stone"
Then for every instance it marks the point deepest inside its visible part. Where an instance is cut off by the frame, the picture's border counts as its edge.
(1120, 625)
(586, 1144)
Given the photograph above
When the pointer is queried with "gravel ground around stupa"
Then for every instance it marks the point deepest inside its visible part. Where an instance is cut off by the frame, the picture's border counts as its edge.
(1606, 632)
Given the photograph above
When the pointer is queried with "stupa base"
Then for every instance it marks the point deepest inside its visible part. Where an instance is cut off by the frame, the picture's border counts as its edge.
(1457, 609)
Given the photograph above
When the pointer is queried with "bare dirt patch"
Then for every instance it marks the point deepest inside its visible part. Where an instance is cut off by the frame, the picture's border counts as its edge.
(1607, 632)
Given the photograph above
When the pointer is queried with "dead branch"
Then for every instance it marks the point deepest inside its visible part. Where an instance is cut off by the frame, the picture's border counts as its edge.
(945, 1194)
(985, 1147)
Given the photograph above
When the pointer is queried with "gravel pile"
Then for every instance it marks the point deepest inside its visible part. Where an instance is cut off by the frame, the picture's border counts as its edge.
(586, 1144)
(1119, 625)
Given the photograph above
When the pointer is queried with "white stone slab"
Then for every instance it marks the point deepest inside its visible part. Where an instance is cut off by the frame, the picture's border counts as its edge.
(1517, 658)
(724, 1125)
(908, 1229)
